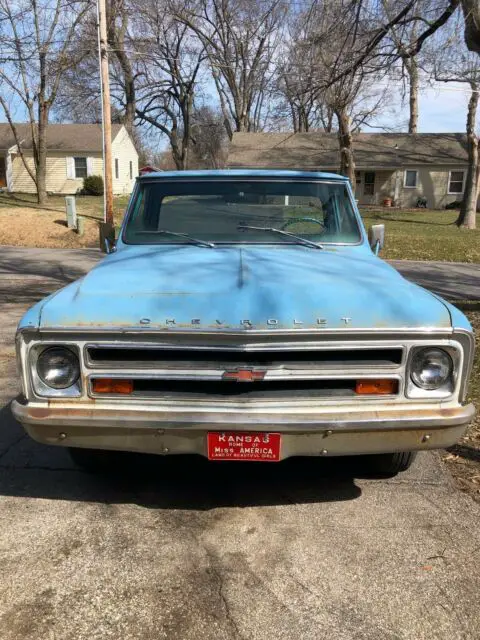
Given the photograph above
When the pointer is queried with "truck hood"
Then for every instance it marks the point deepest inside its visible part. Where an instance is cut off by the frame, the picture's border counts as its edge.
(248, 287)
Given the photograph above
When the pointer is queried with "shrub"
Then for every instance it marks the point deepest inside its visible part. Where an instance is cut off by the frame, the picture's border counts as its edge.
(93, 186)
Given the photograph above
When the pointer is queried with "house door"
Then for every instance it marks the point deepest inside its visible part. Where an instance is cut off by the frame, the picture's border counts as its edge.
(3, 174)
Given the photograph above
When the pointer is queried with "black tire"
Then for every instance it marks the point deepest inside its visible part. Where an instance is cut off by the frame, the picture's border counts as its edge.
(94, 460)
(390, 464)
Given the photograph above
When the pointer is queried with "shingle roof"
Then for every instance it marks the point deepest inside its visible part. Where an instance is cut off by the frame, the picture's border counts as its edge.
(318, 150)
(60, 137)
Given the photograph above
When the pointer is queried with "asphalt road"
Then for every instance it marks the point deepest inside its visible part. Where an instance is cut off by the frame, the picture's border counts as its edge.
(180, 549)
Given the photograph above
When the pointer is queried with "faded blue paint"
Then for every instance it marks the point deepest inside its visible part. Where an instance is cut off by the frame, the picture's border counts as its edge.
(458, 319)
(272, 286)
(230, 284)
(242, 173)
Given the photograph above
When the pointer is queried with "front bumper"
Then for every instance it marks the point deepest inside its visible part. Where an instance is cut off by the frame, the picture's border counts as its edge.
(171, 430)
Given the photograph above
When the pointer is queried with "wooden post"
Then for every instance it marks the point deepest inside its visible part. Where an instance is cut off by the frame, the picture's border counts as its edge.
(106, 113)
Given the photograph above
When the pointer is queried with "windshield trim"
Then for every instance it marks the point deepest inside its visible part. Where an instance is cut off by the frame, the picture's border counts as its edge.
(144, 180)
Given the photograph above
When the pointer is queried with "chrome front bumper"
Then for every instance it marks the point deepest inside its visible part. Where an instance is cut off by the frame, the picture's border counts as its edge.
(172, 430)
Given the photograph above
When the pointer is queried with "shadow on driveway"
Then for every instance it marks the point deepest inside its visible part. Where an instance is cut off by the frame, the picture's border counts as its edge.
(453, 281)
(29, 469)
(62, 265)
(27, 276)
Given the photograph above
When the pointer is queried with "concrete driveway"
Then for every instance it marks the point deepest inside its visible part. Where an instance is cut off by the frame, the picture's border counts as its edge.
(180, 549)
(451, 280)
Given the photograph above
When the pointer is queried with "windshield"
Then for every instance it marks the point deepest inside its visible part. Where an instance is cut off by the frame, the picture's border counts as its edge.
(234, 211)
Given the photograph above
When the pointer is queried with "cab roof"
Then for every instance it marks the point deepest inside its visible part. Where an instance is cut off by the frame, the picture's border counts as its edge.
(241, 173)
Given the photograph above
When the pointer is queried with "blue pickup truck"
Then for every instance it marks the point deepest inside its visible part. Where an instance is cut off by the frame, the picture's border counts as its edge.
(245, 315)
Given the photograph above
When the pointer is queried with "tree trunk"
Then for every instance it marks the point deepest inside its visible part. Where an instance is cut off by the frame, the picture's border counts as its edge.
(293, 111)
(303, 124)
(41, 155)
(187, 130)
(412, 69)
(117, 25)
(468, 210)
(471, 12)
(129, 87)
(347, 160)
(223, 104)
(177, 155)
(242, 123)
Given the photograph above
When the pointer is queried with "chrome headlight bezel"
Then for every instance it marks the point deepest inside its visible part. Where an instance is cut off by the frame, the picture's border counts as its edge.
(40, 386)
(447, 388)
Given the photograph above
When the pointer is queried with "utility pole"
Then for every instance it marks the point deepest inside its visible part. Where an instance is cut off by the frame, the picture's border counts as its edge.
(106, 117)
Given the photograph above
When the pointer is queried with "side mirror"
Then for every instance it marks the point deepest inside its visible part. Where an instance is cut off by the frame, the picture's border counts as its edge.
(107, 237)
(376, 237)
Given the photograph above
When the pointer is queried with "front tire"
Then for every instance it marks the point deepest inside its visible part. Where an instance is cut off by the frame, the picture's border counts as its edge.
(390, 464)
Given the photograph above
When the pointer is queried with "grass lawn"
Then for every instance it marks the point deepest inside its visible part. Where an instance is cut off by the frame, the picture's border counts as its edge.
(414, 234)
(419, 234)
(86, 205)
(23, 223)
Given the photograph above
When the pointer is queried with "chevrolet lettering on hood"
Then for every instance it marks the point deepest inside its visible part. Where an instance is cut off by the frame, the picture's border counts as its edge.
(270, 322)
(244, 316)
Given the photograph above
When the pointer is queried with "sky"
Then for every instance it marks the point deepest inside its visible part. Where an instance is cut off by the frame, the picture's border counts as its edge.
(442, 108)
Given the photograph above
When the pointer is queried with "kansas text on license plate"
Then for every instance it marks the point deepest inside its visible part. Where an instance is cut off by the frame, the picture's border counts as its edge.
(231, 445)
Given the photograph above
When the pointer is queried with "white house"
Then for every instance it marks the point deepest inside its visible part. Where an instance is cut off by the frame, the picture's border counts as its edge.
(73, 152)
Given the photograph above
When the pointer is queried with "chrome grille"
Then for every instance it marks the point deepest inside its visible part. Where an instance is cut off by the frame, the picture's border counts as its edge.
(158, 357)
(316, 371)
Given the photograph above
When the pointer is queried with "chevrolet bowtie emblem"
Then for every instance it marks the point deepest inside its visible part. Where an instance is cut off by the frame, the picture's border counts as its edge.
(244, 375)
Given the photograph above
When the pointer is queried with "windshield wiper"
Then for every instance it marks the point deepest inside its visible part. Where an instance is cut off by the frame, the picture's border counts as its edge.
(300, 240)
(201, 243)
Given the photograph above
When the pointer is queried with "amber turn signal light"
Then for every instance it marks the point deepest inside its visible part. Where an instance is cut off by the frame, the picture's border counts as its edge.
(376, 387)
(112, 385)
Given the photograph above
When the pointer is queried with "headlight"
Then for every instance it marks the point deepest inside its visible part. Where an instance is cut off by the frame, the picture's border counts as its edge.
(58, 367)
(431, 368)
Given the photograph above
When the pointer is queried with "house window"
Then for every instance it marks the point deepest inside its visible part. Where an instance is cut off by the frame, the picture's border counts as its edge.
(116, 168)
(455, 182)
(131, 169)
(410, 179)
(369, 183)
(80, 167)
(358, 178)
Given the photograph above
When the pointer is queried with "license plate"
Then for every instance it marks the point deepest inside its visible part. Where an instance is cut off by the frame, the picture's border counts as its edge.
(234, 445)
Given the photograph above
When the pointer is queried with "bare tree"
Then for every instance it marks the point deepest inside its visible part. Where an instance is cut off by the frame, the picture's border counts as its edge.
(336, 34)
(296, 83)
(79, 94)
(169, 65)
(39, 40)
(452, 62)
(404, 36)
(240, 38)
(79, 97)
(209, 149)
(378, 24)
(118, 21)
